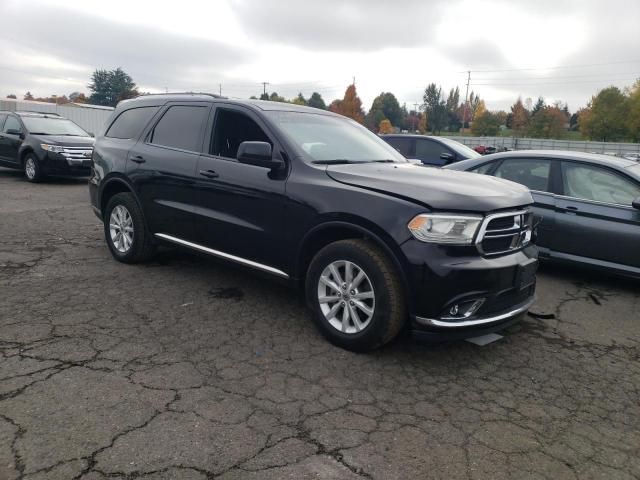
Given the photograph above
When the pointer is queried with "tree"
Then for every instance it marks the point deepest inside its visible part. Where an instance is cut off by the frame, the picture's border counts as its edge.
(453, 110)
(608, 117)
(385, 127)
(28, 96)
(423, 123)
(435, 108)
(384, 106)
(519, 117)
(480, 110)
(299, 100)
(264, 96)
(316, 101)
(486, 124)
(274, 97)
(538, 106)
(350, 106)
(633, 119)
(548, 122)
(108, 87)
(11, 95)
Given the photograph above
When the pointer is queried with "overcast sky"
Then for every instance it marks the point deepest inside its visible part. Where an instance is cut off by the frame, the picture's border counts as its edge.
(562, 50)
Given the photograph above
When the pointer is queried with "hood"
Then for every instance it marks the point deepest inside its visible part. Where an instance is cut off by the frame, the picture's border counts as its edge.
(66, 141)
(444, 190)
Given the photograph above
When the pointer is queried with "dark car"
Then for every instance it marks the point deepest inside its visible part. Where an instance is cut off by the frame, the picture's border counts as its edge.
(317, 200)
(589, 204)
(436, 151)
(44, 144)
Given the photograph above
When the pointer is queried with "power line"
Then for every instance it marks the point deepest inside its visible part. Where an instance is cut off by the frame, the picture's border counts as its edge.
(501, 84)
(557, 67)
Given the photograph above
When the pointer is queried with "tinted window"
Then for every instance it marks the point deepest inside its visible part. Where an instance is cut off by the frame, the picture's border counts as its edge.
(483, 169)
(231, 129)
(594, 183)
(2, 119)
(130, 123)
(530, 172)
(12, 123)
(430, 151)
(180, 127)
(53, 126)
(402, 144)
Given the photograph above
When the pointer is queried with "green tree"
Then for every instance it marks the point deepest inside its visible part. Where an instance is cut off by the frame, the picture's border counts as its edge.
(384, 106)
(607, 119)
(538, 106)
(486, 124)
(28, 96)
(316, 101)
(274, 97)
(108, 87)
(548, 122)
(435, 108)
(453, 110)
(12, 96)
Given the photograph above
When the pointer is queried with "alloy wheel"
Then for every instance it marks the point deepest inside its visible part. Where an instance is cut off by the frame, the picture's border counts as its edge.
(30, 168)
(121, 229)
(346, 296)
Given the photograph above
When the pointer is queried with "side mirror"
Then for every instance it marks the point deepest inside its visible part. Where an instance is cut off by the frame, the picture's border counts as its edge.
(636, 203)
(258, 154)
(13, 131)
(447, 157)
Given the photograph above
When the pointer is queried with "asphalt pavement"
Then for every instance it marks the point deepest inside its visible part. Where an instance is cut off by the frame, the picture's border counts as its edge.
(187, 368)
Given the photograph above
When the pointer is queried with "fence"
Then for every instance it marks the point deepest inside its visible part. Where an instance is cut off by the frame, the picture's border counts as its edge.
(544, 144)
(89, 117)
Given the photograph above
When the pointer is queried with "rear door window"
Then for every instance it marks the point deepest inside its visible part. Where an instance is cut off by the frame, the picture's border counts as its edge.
(403, 144)
(180, 127)
(131, 122)
(598, 184)
(11, 123)
(531, 172)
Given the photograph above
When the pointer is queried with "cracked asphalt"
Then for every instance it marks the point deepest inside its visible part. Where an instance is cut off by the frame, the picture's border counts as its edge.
(186, 368)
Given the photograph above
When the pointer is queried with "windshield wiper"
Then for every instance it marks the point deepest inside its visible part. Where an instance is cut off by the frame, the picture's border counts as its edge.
(336, 161)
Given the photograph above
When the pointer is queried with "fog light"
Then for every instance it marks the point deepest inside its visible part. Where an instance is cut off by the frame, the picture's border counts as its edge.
(464, 309)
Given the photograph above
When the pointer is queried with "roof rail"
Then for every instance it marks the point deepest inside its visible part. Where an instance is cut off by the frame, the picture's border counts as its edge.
(39, 113)
(214, 95)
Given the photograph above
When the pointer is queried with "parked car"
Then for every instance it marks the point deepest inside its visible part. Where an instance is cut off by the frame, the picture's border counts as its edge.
(44, 144)
(317, 200)
(436, 151)
(589, 204)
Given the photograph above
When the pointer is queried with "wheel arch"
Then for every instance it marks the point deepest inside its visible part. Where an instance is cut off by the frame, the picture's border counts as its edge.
(334, 230)
(112, 186)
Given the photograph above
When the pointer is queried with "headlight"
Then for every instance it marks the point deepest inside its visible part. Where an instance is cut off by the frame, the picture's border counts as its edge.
(445, 228)
(52, 148)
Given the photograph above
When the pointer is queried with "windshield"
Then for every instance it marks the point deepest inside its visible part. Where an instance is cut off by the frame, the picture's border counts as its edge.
(53, 126)
(460, 148)
(324, 138)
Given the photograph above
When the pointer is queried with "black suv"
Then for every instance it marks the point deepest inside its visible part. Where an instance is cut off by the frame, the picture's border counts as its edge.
(44, 144)
(436, 151)
(316, 199)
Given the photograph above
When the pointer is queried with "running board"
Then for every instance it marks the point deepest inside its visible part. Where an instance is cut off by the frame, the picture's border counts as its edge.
(226, 256)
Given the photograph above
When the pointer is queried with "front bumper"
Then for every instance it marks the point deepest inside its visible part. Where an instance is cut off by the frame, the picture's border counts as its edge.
(57, 164)
(442, 278)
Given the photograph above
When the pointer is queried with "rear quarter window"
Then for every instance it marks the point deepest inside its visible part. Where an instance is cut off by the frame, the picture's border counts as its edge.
(130, 123)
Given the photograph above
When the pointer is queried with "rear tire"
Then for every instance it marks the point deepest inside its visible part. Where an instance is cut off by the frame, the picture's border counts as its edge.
(32, 169)
(125, 231)
(368, 309)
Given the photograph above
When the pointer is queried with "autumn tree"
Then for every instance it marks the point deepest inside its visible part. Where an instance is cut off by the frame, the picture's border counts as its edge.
(519, 117)
(633, 119)
(486, 124)
(385, 127)
(350, 106)
(316, 101)
(608, 117)
(384, 106)
(423, 123)
(435, 108)
(108, 87)
(299, 100)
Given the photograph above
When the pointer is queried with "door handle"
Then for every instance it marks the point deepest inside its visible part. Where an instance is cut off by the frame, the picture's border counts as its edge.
(137, 159)
(571, 209)
(209, 173)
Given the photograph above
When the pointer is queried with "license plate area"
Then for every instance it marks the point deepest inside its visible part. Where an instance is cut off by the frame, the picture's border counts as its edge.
(526, 274)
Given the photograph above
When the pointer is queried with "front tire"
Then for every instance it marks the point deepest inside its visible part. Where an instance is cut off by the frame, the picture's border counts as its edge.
(125, 230)
(356, 295)
(32, 169)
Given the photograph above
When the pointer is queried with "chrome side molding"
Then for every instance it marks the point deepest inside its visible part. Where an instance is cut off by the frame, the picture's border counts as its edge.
(226, 256)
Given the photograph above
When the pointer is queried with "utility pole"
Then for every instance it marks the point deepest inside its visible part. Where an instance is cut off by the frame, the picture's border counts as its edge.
(466, 96)
(220, 88)
(264, 87)
(415, 106)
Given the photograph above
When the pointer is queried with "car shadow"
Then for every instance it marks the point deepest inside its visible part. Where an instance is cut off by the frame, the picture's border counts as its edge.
(18, 175)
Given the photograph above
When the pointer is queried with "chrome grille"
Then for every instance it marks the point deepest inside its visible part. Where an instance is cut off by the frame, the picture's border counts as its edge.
(505, 232)
(75, 155)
